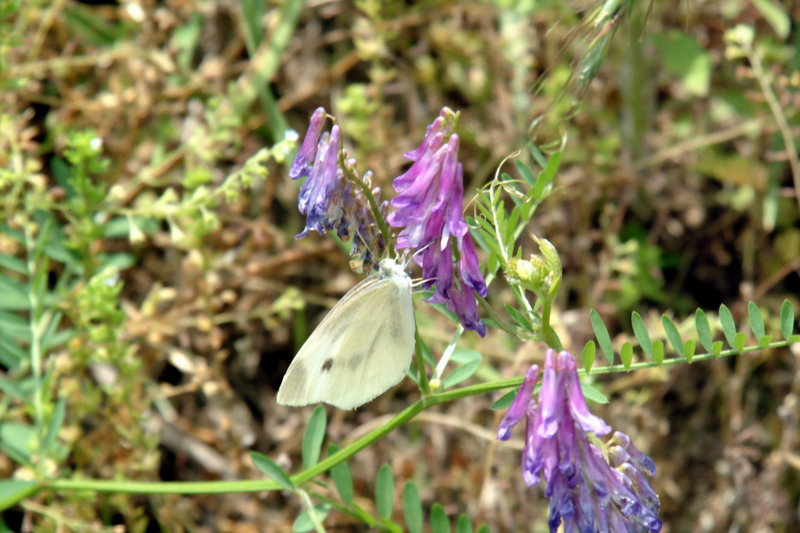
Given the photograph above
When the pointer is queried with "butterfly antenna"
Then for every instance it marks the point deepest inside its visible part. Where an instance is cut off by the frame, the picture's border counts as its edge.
(422, 281)
(404, 258)
(405, 264)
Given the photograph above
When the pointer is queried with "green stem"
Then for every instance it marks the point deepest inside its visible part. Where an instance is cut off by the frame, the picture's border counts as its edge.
(548, 334)
(312, 514)
(424, 385)
(35, 323)
(221, 487)
(777, 112)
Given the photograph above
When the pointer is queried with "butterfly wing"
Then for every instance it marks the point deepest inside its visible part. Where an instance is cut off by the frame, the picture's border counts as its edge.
(362, 347)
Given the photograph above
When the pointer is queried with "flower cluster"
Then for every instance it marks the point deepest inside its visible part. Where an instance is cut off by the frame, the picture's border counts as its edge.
(331, 197)
(428, 208)
(586, 492)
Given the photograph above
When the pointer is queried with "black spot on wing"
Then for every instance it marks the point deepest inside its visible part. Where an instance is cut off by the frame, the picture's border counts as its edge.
(327, 365)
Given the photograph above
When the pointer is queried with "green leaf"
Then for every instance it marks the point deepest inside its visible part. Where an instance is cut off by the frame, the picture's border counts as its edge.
(50, 337)
(728, 324)
(672, 334)
(505, 401)
(626, 355)
(537, 155)
(54, 338)
(591, 393)
(92, 27)
(739, 341)
(775, 15)
(252, 15)
(756, 320)
(439, 521)
(603, 338)
(787, 319)
(689, 350)
(716, 348)
(15, 327)
(642, 335)
(460, 374)
(11, 353)
(13, 390)
(684, 58)
(658, 352)
(546, 176)
(412, 508)
(15, 295)
(493, 264)
(519, 318)
(485, 239)
(15, 490)
(463, 524)
(342, 479)
(384, 492)
(703, 329)
(765, 340)
(10, 262)
(270, 468)
(484, 529)
(313, 437)
(304, 523)
(17, 439)
(55, 425)
(427, 355)
(511, 225)
(588, 355)
(525, 172)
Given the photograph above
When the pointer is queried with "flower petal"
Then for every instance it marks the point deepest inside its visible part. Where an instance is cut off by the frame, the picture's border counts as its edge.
(520, 404)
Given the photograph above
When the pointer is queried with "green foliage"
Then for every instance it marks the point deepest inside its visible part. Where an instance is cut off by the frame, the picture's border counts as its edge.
(440, 523)
(384, 492)
(685, 349)
(342, 478)
(311, 518)
(498, 231)
(270, 468)
(469, 361)
(505, 401)
(686, 60)
(313, 437)
(412, 508)
(603, 337)
(640, 330)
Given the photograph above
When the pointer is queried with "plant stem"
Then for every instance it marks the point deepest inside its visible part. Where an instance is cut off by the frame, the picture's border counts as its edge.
(777, 112)
(259, 485)
(425, 387)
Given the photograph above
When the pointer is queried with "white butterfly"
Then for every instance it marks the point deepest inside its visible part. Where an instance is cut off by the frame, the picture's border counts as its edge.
(362, 347)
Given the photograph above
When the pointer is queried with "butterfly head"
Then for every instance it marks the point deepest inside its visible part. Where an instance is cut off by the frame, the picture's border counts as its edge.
(390, 268)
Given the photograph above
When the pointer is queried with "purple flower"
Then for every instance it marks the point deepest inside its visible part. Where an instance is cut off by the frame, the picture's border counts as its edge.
(305, 155)
(586, 492)
(332, 197)
(520, 404)
(428, 208)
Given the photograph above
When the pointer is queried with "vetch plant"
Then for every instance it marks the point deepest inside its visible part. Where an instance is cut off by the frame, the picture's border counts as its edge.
(591, 484)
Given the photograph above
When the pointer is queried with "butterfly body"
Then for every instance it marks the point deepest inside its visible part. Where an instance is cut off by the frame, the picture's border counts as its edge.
(361, 348)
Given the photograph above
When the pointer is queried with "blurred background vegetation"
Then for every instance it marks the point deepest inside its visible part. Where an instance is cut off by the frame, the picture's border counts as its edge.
(152, 293)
